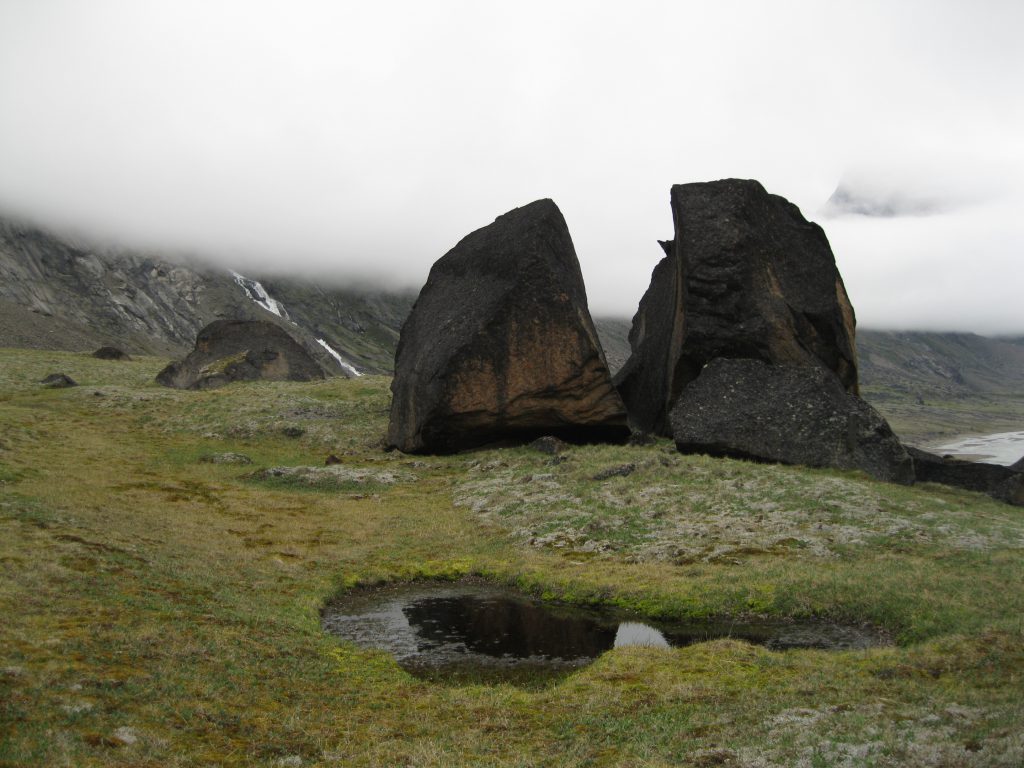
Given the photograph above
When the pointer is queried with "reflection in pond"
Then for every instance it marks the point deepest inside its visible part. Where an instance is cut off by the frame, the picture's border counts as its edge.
(484, 632)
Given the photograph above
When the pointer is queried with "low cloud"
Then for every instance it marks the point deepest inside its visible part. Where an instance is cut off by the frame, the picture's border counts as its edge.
(362, 142)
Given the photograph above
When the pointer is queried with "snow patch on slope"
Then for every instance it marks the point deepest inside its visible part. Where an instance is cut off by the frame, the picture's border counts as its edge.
(259, 294)
(346, 366)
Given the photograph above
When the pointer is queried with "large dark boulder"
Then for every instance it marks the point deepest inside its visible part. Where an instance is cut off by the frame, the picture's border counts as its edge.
(500, 344)
(746, 276)
(1003, 483)
(241, 350)
(787, 414)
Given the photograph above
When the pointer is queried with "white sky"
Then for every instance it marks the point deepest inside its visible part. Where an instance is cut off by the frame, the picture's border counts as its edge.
(363, 140)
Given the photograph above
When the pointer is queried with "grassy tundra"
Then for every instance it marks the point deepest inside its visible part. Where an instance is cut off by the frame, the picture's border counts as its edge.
(161, 610)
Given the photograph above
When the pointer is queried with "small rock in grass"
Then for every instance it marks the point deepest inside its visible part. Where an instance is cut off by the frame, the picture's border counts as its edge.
(623, 470)
(712, 757)
(77, 708)
(124, 735)
(293, 431)
(58, 381)
(331, 460)
(225, 458)
(549, 444)
(327, 477)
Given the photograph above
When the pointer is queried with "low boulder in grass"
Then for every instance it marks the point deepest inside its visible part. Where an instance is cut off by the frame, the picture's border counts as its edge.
(999, 482)
(111, 353)
(224, 458)
(332, 476)
(241, 350)
(58, 381)
(787, 414)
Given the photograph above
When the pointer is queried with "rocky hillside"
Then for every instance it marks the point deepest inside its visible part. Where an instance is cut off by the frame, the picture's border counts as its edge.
(940, 365)
(56, 293)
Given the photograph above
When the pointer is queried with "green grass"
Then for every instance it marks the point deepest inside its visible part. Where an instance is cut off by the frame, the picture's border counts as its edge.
(164, 611)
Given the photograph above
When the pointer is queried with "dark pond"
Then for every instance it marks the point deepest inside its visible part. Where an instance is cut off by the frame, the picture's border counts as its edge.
(484, 632)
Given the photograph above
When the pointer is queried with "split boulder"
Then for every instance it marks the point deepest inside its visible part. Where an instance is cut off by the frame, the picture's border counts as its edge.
(241, 350)
(746, 276)
(500, 345)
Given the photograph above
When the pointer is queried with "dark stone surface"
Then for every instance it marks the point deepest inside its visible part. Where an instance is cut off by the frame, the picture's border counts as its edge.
(500, 345)
(58, 381)
(647, 381)
(1011, 490)
(111, 353)
(1018, 466)
(241, 350)
(746, 276)
(1003, 483)
(786, 414)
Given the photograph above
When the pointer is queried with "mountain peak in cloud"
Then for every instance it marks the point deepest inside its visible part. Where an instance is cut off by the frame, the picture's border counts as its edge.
(859, 199)
(923, 185)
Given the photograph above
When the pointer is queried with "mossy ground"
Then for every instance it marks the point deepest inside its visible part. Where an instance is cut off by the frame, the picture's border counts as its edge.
(160, 610)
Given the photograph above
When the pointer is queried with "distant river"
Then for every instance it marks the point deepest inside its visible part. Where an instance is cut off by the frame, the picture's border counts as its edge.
(1001, 448)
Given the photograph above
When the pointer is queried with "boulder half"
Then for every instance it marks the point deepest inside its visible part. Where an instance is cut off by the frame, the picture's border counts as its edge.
(500, 344)
(746, 276)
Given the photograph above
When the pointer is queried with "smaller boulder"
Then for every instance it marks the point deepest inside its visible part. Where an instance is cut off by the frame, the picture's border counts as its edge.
(999, 482)
(58, 381)
(241, 350)
(111, 353)
(786, 414)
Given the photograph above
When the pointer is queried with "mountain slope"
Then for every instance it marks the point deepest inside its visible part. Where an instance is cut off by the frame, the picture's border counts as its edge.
(56, 293)
(931, 364)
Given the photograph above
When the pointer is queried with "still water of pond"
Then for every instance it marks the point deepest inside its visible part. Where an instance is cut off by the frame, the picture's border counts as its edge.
(487, 633)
